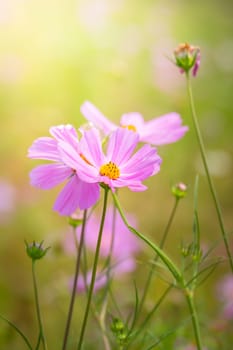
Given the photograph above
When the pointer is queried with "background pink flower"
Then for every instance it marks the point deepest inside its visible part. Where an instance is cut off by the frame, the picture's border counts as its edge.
(124, 245)
(225, 295)
(158, 131)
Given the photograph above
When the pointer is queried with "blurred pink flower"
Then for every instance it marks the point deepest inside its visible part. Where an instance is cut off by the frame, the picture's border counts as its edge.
(225, 294)
(118, 168)
(76, 193)
(158, 131)
(191, 347)
(8, 200)
(124, 246)
(82, 284)
(8, 194)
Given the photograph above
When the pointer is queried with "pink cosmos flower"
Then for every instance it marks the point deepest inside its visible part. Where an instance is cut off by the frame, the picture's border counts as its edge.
(124, 246)
(76, 193)
(118, 168)
(158, 131)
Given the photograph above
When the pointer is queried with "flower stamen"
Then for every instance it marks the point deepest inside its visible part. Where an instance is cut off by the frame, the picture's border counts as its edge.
(110, 170)
(130, 127)
(85, 159)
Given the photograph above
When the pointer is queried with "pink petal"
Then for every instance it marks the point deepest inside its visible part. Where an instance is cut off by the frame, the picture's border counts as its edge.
(100, 281)
(125, 265)
(65, 133)
(44, 148)
(49, 175)
(89, 194)
(134, 119)
(72, 159)
(76, 194)
(197, 64)
(92, 114)
(91, 147)
(121, 145)
(163, 130)
(137, 187)
(144, 163)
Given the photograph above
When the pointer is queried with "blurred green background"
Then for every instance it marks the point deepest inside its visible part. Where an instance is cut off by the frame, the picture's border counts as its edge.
(54, 55)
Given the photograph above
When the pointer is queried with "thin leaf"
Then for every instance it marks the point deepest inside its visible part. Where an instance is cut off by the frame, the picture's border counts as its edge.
(18, 331)
(166, 335)
(135, 310)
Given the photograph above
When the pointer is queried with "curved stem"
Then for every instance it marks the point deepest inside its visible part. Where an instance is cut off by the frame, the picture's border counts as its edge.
(161, 245)
(166, 260)
(91, 288)
(195, 322)
(41, 331)
(209, 179)
(77, 268)
(174, 271)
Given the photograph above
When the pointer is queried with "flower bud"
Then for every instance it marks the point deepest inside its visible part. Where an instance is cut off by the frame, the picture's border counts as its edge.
(35, 250)
(179, 190)
(185, 251)
(187, 57)
(119, 330)
(117, 325)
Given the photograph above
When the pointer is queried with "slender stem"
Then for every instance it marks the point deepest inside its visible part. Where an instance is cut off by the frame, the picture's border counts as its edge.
(193, 313)
(107, 265)
(174, 271)
(108, 260)
(161, 245)
(209, 179)
(101, 320)
(77, 268)
(91, 288)
(166, 260)
(41, 331)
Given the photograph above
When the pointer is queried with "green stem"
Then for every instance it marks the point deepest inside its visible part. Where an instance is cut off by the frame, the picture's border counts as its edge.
(174, 271)
(100, 318)
(101, 321)
(166, 260)
(41, 332)
(91, 288)
(77, 268)
(161, 245)
(209, 179)
(193, 313)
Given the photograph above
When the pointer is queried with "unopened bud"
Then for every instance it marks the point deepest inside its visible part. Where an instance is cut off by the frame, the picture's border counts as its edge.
(119, 330)
(35, 250)
(188, 57)
(179, 190)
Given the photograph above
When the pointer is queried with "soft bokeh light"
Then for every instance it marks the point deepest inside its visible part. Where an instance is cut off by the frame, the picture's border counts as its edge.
(54, 55)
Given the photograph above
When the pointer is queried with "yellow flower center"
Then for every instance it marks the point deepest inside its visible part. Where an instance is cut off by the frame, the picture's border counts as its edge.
(130, 127)
(111, 170)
